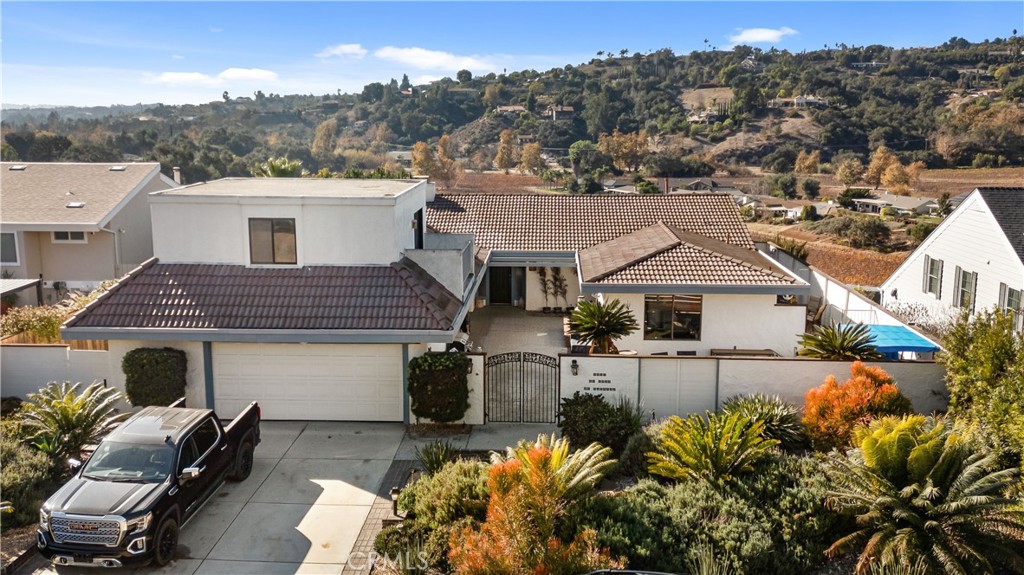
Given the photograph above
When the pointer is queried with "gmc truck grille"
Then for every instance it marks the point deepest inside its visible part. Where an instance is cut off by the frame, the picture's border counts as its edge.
(88, 531)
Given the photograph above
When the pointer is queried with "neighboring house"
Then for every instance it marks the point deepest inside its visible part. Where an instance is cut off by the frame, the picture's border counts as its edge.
(555, 112)
(903, 205)
(973, 260)
(619, 186)
(509, 110)
(76, 225)
(308, 296)
(684, 263)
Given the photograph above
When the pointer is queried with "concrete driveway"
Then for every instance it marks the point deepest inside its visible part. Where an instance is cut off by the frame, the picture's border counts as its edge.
(300, 511)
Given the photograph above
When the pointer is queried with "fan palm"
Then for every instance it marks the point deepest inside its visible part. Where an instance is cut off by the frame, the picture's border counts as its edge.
(715, 448)
(62, 420)
(600, 324)
(839, 342)
(945, 507)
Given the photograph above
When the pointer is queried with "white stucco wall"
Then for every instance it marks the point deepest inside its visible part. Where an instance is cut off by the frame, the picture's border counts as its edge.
(969, 238)
(329, 231)
(611, 379)
(26, 369)
(727, 321)
(535, 296)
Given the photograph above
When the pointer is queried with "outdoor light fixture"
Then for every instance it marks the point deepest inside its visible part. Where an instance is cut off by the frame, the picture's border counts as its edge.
(575, 367)
(394, 500)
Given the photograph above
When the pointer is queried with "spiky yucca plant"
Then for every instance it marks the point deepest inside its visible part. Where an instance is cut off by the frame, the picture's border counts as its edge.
(435, 455)
(839, 342)
(600, 324)
(781, 419)
(714, 448)
(945, 506)
(63, 421)
(573, 473)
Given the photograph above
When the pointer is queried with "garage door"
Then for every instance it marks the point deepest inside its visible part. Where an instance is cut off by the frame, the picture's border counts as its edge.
(310, 381)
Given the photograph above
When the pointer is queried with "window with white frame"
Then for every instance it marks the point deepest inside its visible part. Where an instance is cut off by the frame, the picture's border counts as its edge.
(69, 238)
(1010, 301)
(272, 241)
(932, 281)
(9, 248)
(965, 288)
(672, 316)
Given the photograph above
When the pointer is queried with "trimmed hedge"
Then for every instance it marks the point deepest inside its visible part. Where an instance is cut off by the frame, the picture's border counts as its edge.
(439, 386)
(154, 376)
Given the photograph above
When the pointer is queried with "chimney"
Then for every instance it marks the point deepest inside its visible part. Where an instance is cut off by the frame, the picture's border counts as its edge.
(177, 174)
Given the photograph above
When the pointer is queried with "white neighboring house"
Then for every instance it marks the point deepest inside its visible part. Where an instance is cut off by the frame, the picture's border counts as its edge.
(973, 260)
(309, 296)
(903, 205)
(76, 224)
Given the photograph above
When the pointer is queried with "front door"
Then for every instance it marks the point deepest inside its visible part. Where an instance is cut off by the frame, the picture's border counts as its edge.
(501, 286)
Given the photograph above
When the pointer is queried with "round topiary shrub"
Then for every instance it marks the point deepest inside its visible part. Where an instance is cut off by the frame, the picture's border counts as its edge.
(154, 376)
(439, 386)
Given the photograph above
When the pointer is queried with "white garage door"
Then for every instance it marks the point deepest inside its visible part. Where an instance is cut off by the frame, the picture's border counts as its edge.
(309, 381)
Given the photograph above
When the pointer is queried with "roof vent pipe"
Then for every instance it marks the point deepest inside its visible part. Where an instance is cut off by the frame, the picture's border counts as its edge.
(177, 174)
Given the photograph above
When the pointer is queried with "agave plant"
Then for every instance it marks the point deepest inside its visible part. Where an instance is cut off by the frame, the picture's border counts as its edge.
(600, 324)
(714, 448)
(435, 455)
(63, 421)
(781, 419)
(839, 342)
(921, 493)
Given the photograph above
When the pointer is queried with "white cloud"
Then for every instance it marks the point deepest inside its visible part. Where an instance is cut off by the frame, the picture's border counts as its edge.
(430, 59)
(761, 35)
(177, 57)
(200, 79)
(350, 50)
(425, 79)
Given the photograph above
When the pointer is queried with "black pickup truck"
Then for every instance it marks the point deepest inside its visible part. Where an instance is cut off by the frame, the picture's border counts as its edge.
(124, 506)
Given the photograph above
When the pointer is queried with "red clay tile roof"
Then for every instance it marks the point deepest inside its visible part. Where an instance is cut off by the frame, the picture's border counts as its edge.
(401, 296)
(571, 223)
(661, 255)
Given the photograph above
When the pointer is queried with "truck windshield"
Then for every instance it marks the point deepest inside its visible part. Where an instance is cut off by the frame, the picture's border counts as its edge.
(115, 461)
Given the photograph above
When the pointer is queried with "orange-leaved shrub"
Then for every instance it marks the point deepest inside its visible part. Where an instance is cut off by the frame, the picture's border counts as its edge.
(833, 409)
(528, 493)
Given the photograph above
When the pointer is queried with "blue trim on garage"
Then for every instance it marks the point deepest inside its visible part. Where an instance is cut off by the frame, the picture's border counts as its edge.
(405, 383)
(208, 372)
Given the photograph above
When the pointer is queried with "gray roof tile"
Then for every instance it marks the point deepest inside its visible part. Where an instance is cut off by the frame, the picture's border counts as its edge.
(1007, 207)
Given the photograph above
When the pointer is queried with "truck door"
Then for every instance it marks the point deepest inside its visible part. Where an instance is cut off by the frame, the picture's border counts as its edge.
(205, 449)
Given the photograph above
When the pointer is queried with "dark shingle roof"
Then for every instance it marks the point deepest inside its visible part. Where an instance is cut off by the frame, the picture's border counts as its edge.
(571, 223)
(401, 296)
(1007, 207)
(662, 255)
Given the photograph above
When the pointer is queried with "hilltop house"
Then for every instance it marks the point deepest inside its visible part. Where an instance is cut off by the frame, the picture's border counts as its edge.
(74, 224)
(902, 205)
(973, 260)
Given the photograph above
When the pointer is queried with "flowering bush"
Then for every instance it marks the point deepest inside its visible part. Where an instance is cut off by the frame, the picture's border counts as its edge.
(833, 409)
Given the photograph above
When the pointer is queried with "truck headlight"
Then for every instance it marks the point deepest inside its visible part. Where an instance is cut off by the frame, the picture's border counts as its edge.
(44, 519)
(140, 524)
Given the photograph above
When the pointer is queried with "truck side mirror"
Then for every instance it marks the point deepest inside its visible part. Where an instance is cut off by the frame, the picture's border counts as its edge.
(74, 463)
(188, 474)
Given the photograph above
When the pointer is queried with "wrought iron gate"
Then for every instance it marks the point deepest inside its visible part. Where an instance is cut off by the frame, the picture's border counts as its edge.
(522, 387)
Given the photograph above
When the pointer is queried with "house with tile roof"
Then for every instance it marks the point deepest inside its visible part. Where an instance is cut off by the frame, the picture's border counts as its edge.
(903, 205)
(973, 260)
(309, 296)
(75, 224)
(684, 263)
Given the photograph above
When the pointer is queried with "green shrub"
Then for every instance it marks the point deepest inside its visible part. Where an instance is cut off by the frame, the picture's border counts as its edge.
(459, 489)
(26, 479)
(921, 230)
(154, 376)
(435, 455)
(717, 449)
(633, 460)
(439, 386)
(586, 418)
(410, 538)
(781, 419)
(771, 522)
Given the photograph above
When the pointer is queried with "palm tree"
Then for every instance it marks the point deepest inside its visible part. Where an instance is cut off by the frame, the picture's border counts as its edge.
(713, 448)
(279, 168)
(840, 342)
(943, 506)
(63, 421)
(600, 324)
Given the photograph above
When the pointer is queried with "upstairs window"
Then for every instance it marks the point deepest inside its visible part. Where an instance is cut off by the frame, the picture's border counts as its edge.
(965, 289)
(69, 238)
(932, 282)
(1012, 302)
(8, 248)
(672, 316)
(272, 241)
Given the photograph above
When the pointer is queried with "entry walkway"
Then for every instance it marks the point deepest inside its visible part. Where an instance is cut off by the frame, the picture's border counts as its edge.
(499, 329)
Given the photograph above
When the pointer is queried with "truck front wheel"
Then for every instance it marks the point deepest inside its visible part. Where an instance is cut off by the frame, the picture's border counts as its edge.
(166, 542)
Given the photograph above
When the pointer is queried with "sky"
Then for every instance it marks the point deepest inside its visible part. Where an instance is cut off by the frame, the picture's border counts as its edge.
(104, 53)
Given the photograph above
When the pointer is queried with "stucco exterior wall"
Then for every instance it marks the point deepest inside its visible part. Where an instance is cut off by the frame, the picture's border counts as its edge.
(25, 369)
(92, 261)
(727, 321)
(535, 296)
(134, 225)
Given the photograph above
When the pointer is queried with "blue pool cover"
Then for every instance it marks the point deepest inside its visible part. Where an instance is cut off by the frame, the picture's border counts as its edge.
(891, 339)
